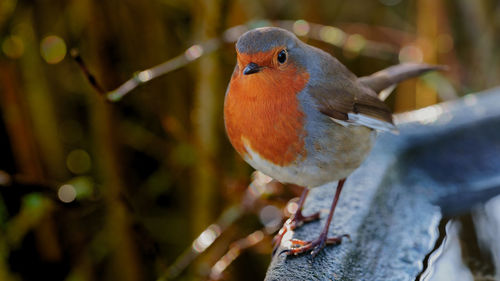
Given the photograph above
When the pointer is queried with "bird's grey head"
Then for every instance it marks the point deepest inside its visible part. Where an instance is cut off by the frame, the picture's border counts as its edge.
(272, 43)
(265, 39)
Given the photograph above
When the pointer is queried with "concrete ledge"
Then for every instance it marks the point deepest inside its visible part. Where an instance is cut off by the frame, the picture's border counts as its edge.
(391, 206)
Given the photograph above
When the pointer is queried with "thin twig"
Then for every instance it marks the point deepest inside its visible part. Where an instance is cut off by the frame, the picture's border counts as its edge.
(202, 242)
(355, 43)
(75, 54)
(234, 252)
(191, 54)
(255, 190)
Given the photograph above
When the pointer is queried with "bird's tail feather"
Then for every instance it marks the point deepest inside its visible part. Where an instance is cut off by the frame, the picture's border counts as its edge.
(393, 75)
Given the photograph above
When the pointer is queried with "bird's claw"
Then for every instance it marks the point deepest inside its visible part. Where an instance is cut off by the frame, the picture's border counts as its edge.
(285, 251)
(299, 246)
(278, 237)
(292, 223)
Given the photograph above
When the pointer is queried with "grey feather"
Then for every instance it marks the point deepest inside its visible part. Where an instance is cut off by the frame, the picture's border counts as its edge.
(385, 78)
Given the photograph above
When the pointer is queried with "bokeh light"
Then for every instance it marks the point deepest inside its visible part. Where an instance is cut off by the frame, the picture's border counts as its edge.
(84, 187)
(206, 238)
(259, 185)
(411, 53)
(355, 43)
(232, 34)
(4, 178)
(66, 193)
(270, 217)
(332, 35)
(301, 27)
(145, 75)
(13, 47)
(194, 52)
(78, 161)
(53, 49)
(292, 207)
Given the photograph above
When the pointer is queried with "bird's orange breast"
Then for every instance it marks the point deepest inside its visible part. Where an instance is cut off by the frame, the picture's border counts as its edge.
(262, 111)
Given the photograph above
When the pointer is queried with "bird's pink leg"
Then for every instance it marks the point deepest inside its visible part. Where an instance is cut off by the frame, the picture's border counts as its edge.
(295, 220)
(315, 246)
(298, 218)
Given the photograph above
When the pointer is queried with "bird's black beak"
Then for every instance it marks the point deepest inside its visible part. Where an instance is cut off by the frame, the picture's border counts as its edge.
(251, 68)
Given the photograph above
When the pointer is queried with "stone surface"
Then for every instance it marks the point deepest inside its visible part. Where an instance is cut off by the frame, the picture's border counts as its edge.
(445, 160)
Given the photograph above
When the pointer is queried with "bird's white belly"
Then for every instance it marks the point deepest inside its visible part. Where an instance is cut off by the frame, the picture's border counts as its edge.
(332, 156)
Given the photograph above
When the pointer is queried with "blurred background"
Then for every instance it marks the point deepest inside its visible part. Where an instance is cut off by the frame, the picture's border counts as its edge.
(140, 188)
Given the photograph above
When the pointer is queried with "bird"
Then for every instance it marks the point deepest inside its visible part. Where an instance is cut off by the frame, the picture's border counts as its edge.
(297, 114)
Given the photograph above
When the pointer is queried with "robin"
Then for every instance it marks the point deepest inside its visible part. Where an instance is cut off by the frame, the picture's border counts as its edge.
(297, 114)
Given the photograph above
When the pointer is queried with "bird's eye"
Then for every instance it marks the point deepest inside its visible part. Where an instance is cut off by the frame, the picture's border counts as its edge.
(282, 56)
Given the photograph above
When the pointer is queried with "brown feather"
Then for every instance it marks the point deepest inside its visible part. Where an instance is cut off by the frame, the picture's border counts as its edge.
(341, 94)
(344, 93)
(338, 103)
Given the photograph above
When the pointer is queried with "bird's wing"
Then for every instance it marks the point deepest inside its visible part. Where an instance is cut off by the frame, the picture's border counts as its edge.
(348, 102)
(354, 105)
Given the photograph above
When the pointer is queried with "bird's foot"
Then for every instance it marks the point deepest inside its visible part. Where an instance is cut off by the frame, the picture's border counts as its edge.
(299, 219)
(292, 223)
(299, 246)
